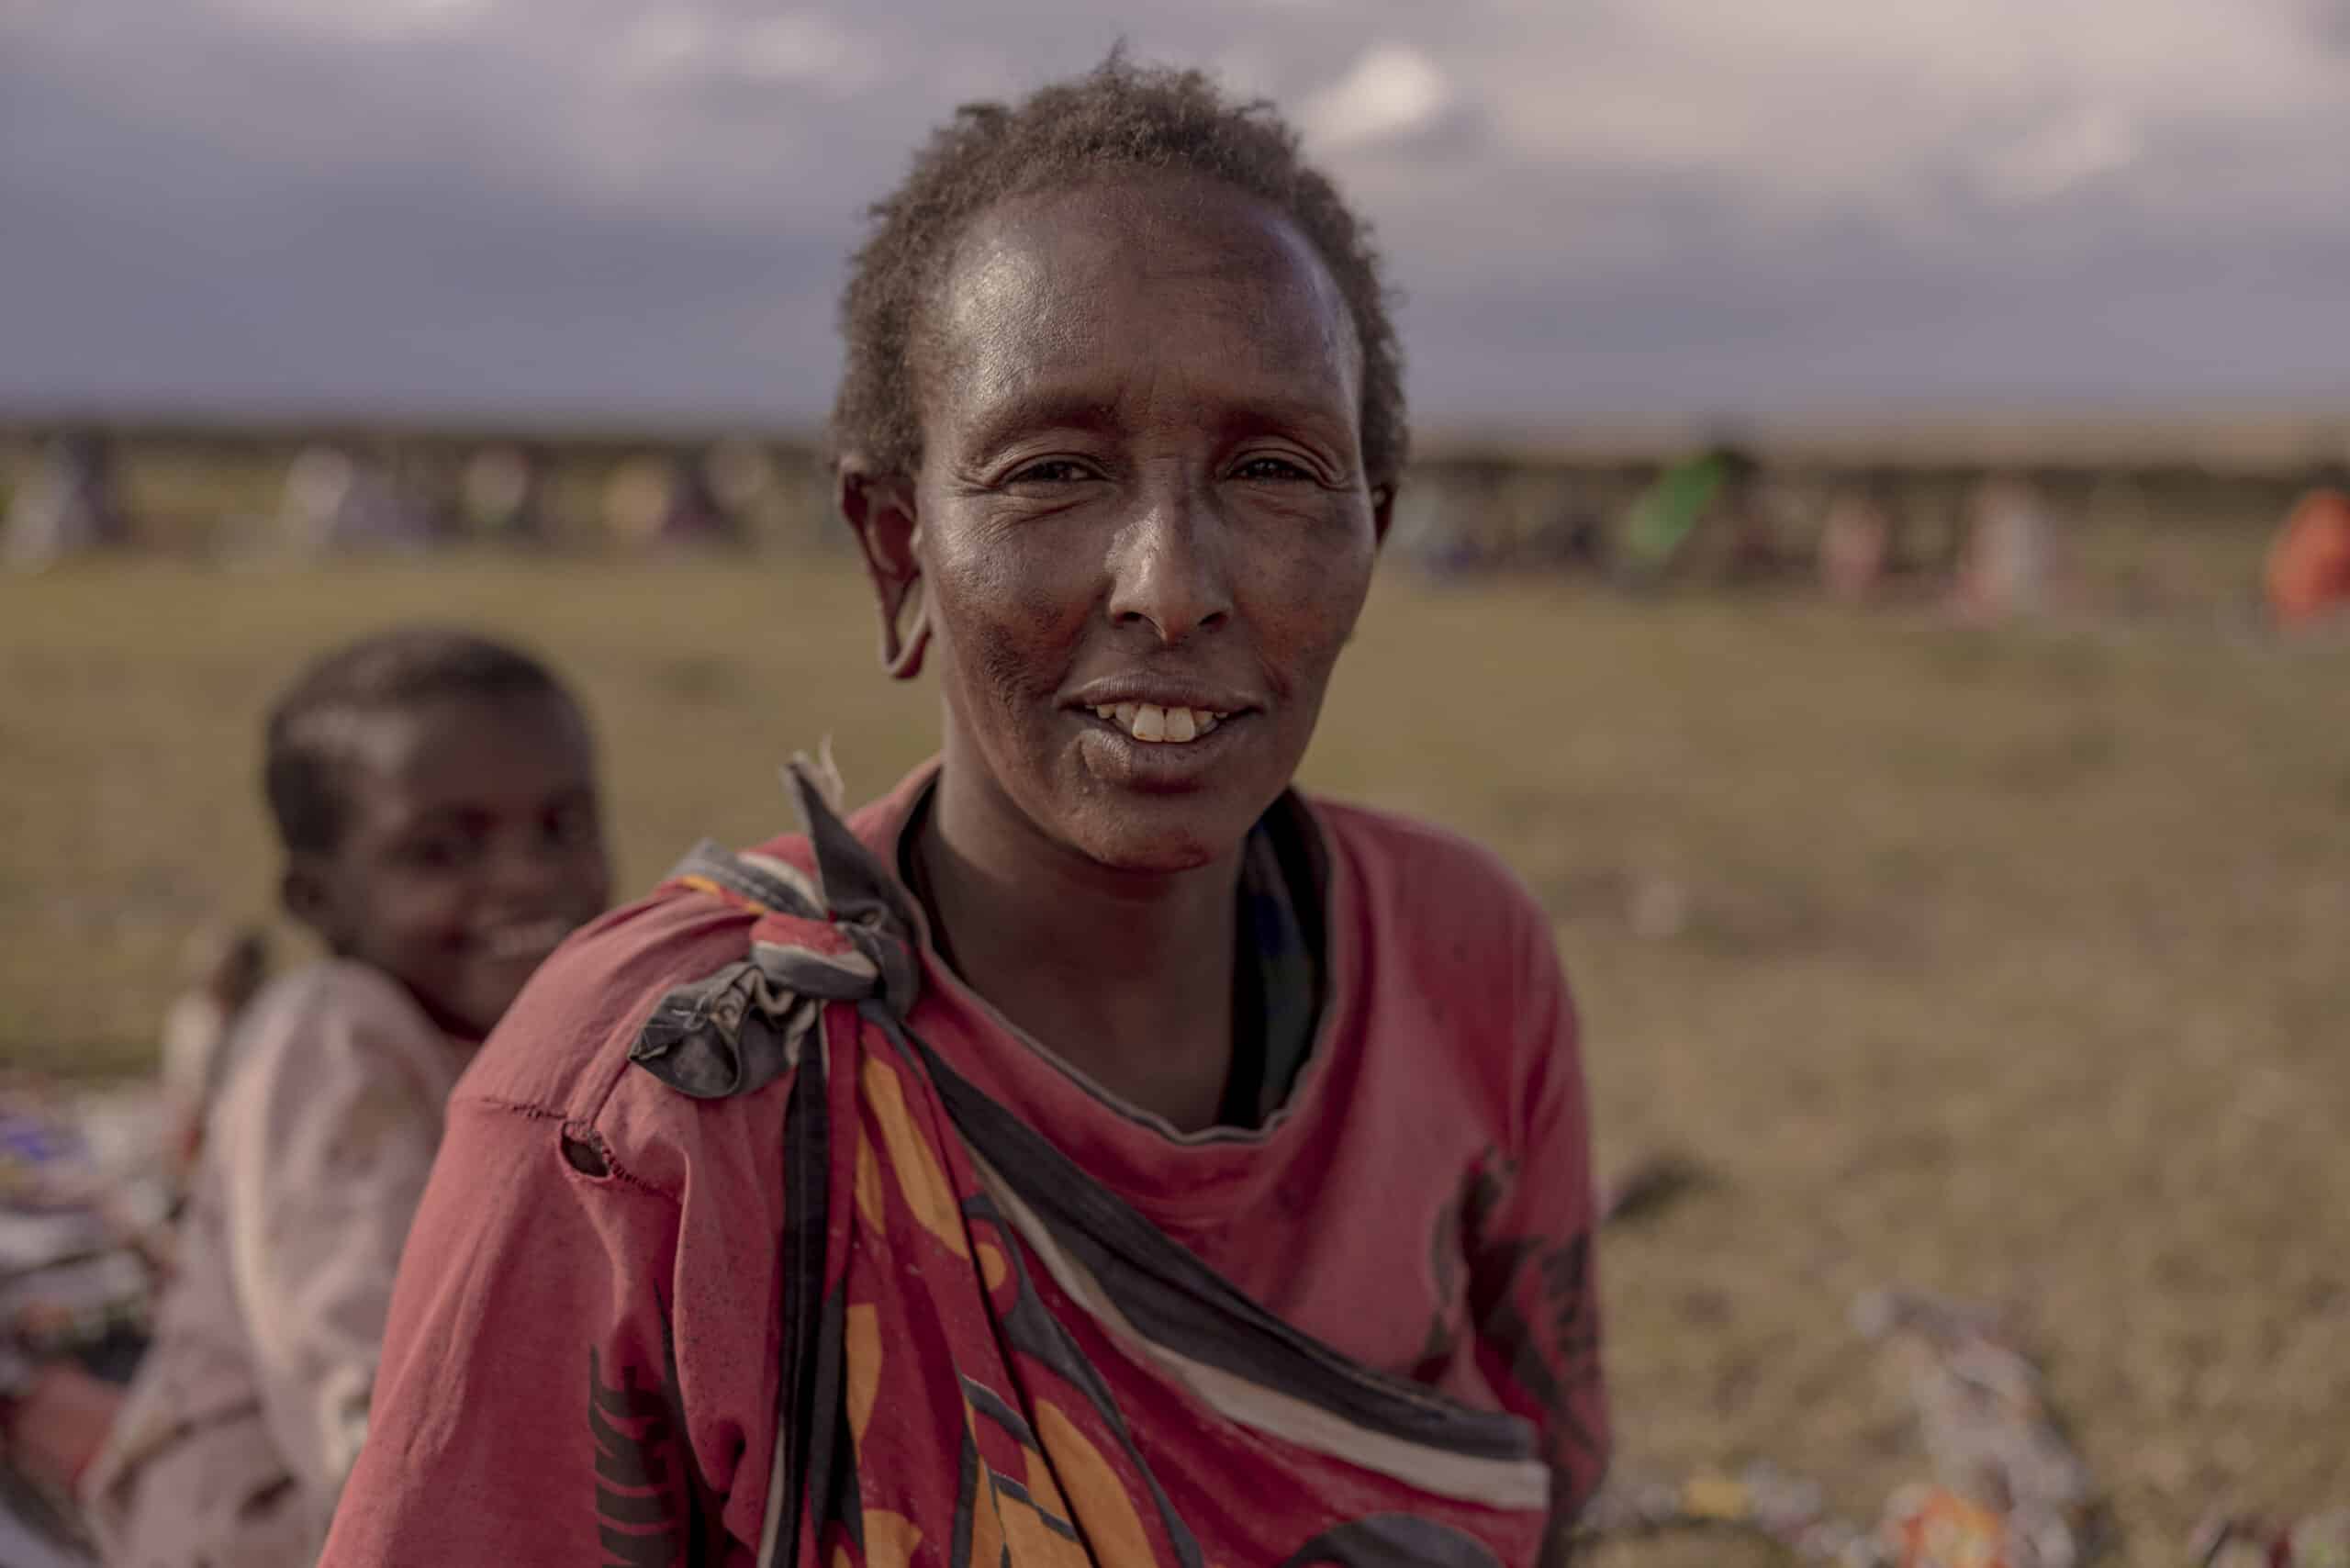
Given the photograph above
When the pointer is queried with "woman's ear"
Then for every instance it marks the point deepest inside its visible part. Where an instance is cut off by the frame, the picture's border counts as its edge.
(880, 509)
(1382, 510)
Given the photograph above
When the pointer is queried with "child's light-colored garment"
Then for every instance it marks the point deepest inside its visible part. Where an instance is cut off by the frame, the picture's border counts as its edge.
(196, 1040)
(194, 1031)
(246, 1415)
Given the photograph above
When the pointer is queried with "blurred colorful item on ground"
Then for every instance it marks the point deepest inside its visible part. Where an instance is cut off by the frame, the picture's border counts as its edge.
(2011, 561)
(77, 1286)
(1761, 1500)
(2320, 1540)
(2009, 1490)
(1933, 1527)
(1985, 1419)
(83, 1179)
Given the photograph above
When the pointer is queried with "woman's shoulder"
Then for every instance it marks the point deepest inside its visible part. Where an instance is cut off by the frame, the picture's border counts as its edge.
(562, 1049)
(634, 1034)
(1435, 913)
(1445, 931)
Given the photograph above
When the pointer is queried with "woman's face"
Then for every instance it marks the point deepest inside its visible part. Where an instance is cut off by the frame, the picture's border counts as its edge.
(1144, 524)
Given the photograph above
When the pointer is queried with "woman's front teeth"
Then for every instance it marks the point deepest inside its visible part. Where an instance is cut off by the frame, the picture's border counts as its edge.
(1149, 722)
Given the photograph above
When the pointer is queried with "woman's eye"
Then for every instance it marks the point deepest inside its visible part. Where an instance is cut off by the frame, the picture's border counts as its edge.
(1051, 471)
(1270, 468)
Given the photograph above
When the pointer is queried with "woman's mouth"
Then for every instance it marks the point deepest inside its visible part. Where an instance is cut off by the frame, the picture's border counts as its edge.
(1156, 726)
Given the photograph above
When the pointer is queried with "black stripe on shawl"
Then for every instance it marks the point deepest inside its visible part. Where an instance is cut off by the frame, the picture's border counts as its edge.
(1176, 1300)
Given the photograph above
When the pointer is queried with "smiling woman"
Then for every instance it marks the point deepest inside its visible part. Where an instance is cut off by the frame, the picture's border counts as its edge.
(1094, 1152)
(1142, 485)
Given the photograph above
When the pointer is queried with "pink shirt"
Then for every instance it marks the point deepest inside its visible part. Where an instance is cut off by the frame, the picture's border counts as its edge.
(1422, 1203)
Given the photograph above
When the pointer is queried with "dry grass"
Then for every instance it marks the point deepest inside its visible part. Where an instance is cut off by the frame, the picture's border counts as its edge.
(2010, 964)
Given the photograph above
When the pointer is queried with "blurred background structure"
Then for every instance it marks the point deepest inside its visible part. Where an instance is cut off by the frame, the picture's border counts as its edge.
(1874, 563)
(2137, 514)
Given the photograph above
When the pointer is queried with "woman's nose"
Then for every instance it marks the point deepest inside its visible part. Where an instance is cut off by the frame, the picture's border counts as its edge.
(1168, 569)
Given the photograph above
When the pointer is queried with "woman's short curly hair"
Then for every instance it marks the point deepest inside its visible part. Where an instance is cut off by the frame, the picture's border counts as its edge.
(1117, 118)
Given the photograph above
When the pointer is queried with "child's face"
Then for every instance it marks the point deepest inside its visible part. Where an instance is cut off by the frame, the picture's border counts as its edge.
(471, 845)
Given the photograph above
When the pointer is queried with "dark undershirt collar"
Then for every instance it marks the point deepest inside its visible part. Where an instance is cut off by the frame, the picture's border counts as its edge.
(1281, 942)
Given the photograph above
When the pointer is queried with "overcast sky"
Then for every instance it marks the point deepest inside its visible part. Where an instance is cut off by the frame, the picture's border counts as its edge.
(1592, 205)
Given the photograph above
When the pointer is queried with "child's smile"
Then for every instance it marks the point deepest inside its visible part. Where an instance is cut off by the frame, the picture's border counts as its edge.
(472, 847)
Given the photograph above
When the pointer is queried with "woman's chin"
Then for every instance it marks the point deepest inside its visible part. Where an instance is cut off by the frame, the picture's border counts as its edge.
(1160, 837)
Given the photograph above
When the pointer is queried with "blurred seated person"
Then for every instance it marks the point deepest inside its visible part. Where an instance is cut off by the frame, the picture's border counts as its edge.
(67, 509)
(435, 797)
(2011, 560)
(2307, 576)
(666, 504)
(334, 502)
(1860, 543)
(502, 496)
(1571, 537)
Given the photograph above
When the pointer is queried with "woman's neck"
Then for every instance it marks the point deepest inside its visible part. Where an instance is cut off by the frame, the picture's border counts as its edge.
(1128, 977)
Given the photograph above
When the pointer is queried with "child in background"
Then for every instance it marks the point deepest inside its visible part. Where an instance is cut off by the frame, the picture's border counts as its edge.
(435, 796)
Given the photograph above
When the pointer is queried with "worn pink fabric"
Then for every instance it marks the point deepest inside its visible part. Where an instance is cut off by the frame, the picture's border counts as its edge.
(585, 1343)
(237, 1434)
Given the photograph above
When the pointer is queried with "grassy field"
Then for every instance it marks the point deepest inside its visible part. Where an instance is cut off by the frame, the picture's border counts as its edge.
(2014, 964)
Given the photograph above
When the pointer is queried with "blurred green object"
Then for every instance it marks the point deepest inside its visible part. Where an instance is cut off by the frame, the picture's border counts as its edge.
(1667, 513)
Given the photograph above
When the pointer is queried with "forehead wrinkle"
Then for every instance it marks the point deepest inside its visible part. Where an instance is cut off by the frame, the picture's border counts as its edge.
(1029, 297)
(990, 324)
(1209, 236)
(1242, 258)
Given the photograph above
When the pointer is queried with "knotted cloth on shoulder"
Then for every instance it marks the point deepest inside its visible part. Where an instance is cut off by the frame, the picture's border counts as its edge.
(835, 925)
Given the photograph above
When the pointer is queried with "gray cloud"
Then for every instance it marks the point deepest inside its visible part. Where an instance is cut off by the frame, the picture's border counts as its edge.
(1668, 205)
